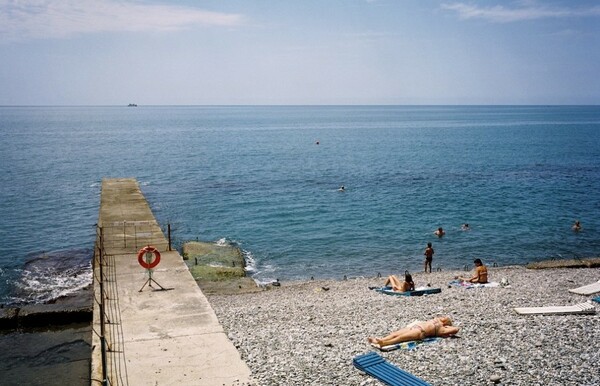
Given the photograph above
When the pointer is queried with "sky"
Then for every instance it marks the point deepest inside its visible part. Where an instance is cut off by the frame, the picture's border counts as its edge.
(307, 52)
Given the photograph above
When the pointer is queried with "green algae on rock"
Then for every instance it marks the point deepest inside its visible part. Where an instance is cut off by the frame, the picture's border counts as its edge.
(217, 268)
(213, 262)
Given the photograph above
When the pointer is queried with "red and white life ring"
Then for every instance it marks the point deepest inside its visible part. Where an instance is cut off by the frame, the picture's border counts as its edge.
(142, 257)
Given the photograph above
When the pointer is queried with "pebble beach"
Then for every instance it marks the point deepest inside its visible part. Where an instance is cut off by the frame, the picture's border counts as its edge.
(307, 333)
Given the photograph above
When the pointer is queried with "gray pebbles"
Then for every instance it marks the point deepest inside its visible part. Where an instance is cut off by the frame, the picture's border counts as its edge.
(302, 334)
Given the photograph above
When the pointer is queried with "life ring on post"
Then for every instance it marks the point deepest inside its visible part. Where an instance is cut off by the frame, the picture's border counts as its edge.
(142, 254)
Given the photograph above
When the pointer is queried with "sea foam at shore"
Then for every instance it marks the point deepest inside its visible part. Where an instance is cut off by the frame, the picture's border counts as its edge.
(307, 333)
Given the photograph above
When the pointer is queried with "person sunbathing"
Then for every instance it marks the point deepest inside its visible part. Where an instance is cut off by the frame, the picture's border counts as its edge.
(407, 285)
(479, 276)
(437, 327)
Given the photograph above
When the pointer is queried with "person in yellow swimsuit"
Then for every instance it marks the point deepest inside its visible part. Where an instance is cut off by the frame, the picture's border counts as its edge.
(480, 275)
(441, 326)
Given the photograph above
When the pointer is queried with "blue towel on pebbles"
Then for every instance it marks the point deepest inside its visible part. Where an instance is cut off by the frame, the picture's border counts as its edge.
(374, 365)
(596, 299)
(410, 345)
(417, 292)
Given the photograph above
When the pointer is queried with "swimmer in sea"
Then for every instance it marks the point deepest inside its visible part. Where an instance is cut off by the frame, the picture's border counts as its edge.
(465, 227)
(577, 226)
(440, 232)
(342, 189)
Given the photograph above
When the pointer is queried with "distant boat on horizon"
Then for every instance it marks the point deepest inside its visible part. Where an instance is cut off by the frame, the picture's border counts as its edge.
(132, 105)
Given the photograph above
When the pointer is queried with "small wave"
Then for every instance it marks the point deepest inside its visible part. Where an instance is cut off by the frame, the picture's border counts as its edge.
(250, 262)
(265, 275)
(52, 275)
(222, 242)
(225, 242)
(263, 282)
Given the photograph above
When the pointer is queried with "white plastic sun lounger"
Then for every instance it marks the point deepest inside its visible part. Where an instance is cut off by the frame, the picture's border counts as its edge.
(587, 289)
(581, 308)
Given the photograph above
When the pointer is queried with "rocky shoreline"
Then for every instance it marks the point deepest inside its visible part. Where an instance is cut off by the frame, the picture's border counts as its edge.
(50, 343)
(75, 308)
(307, 333)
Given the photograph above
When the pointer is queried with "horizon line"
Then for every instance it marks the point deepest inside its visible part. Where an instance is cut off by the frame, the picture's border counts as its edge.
(316, 105)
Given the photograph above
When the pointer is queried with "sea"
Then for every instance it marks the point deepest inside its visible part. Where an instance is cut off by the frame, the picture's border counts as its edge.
(267, 179)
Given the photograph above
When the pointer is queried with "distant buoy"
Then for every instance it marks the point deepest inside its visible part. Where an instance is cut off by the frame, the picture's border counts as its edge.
(142, 254)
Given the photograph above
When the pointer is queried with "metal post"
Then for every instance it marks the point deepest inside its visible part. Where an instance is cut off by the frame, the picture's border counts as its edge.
(169, 234)
(102, 332)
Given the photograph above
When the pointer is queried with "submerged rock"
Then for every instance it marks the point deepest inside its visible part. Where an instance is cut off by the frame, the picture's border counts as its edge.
(218, 268)
(213, 262)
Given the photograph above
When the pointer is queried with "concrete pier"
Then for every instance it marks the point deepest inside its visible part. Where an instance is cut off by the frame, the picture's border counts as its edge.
(153, 337)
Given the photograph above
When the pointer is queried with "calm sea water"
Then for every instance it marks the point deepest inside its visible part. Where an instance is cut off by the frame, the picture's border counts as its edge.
(256, 176)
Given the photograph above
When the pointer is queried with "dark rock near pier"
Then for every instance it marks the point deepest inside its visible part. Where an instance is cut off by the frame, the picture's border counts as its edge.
(591, 262)
(75, 308)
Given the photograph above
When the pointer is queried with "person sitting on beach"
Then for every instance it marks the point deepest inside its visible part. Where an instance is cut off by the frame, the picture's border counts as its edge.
(577, 226)
(397, 285)
(481, 274)
(440, 232)
(437, 327)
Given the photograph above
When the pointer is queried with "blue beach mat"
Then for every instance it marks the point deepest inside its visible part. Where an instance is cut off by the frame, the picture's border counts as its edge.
(417, 292)
(374, 365)
(410, 345)
(596, 299)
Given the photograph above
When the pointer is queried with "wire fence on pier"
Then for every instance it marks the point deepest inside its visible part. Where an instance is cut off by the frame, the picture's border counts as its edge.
(114, 241)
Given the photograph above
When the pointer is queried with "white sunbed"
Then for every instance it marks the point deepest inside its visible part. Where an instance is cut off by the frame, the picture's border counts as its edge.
(587, 289)
(581, 308)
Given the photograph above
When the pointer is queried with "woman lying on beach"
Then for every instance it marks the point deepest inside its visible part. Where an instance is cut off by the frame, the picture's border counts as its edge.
(479, 276)
(397, 285)
(441, 327)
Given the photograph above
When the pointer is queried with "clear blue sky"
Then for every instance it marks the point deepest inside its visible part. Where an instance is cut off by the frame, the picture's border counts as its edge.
(159, 52)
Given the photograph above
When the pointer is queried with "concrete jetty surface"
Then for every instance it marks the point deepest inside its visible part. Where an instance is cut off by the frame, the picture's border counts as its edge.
(154, 337)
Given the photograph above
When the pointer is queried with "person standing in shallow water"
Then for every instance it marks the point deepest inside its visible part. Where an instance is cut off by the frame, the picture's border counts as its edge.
(428, 257)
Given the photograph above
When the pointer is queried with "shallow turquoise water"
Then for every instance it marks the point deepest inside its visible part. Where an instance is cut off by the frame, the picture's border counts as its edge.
(256, 176)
